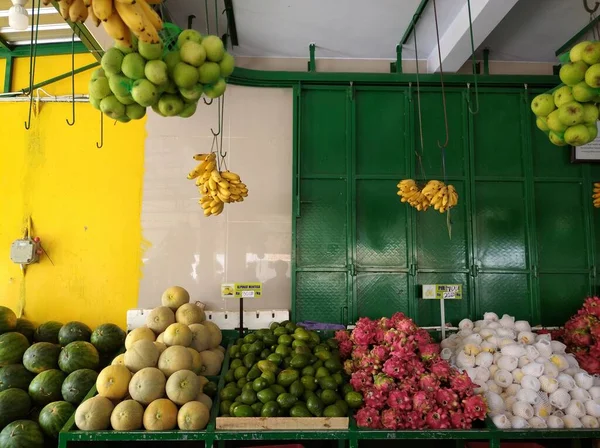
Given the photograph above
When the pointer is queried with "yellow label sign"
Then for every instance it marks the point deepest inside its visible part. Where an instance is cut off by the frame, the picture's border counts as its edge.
(241, 290)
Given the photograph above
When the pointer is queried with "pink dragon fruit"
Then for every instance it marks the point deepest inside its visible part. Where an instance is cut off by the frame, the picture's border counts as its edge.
(474, 407)
(390, 419)
(441, 369)
(429, 352)
(395, 368)
(364, 332)
(346, 348)
(361, 380)
(414, 420)
(461, 384)
(437, 419)
(406, 326)
(428, 382)
(592, 306)
(589, 363)
(399, 400)
(342, 335)
(368, 364)
(581, 339)
(359, 352)
(396, 318)
(446, 398)
(383, 382)
(384, 323)
(368, 418)
(459, 421)
(422, 402)
(415, 366)
(374, 398)
(380, 353)
(422, 337)
(595, 331)
(349, 367)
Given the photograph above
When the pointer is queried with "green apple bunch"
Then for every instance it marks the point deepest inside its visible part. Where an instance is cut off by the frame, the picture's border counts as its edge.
(569, 115)
(133, 79)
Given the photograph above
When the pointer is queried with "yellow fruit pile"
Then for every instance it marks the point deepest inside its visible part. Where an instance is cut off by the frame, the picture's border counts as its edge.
(435, 193)
(216, 187)
(596, 195)
(120, 18)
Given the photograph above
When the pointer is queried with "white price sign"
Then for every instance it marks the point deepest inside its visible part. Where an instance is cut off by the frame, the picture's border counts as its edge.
(248, 294)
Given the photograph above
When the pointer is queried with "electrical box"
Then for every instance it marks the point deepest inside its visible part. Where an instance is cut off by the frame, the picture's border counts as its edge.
(24, 251)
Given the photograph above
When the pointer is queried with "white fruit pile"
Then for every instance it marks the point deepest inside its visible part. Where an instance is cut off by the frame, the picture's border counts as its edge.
(569, 115)
(527, 379)
(157, 384)
(133, 79)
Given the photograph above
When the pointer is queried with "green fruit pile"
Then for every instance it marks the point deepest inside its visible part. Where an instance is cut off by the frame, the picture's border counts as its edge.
(570, 114)
(133, 79)
(283, 371)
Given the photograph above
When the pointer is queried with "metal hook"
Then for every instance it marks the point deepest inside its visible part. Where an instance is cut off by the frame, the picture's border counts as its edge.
(206, 17)
(591, 10)
(222, 112)
(206, 102)
(32, 59)
(474, 63)
(218, 119)
(101, 132)
(437, 31)
(72, 80)
(191, 18)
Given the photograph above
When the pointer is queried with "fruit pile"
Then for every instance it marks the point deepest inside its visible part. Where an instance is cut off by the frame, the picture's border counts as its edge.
(285, 371)
(405, 384)
(217, 188)
(141, 76)
(46, 372)
(596, 195)
(435, 193)
(160, 382)
(570, 114)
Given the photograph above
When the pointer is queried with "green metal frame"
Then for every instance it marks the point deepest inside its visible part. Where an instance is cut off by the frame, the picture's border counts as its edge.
(586, 29)
(397, 67)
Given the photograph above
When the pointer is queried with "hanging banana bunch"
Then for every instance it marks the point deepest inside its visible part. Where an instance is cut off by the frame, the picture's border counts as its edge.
(120, 18)
(217, 188)
(596, 195)
(435, 194)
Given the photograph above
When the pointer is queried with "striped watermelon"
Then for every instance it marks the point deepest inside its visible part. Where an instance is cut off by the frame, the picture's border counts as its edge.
(47, 332)
(78, 384)
(12, 347)
(78, 355)
(54, 416)
(41, 356)
(26, 328)
(15, 375)
(14, 404)
(108, 338)
(74, 331)
(8, 319)
(22, 434)
(46, 387)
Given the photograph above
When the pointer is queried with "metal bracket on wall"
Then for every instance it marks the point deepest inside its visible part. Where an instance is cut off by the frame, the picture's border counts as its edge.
(312, 65)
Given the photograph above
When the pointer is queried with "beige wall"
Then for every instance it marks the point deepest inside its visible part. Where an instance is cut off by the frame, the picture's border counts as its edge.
(249, 241)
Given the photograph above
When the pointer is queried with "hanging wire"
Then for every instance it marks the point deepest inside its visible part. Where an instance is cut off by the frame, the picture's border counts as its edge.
(206, 16)
(101, 144)
(420, 153)
(437, 32)
(474, 64)
(32, 57)
(216, 18)
(72, 80)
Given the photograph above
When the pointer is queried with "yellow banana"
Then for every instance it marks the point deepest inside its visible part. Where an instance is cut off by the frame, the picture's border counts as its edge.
(234, 197)
(132, 15)
(207, 212)
(78, 12)
(224, 183)
(204, 189)
(212, 185)
(151, 15)
(63, 8)
(224, 191)
(205, 205)
(127, 2)
(87, 3)
(214, 174)
(229, 175)
(217, 208)
(201, 157)
(222, 197)
(116, 28)
(154, 2)
(103, 9)
(92, 15)
(210, 166)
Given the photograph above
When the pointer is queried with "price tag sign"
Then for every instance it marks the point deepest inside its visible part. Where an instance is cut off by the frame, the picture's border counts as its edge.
(446, 292)
(241, 290)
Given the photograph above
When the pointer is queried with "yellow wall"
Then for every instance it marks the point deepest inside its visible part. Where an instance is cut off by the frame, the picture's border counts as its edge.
(85, 204)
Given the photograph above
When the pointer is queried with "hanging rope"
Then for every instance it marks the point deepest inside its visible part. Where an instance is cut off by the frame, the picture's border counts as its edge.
(474, 63)
(32, 57)
(420, 153)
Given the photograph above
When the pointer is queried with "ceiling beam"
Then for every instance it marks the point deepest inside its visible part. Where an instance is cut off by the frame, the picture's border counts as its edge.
(455, 44)
(5, 46)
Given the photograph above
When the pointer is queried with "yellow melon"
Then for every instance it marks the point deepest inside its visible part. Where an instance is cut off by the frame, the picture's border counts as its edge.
(201, 338)
(94, 414)
(193, 416)
(127, 416)
(140, 355)
(215, 334)
(174, 297)
(182, 386)
(137, 335)
(219, 353)
(160, 318)
(173, 359)
(189, 314)
(161, 338)
(161, 346)
(221, 349)
(160, 415)
(113, 382)
(211, 363)
(205, 399)
(178, 334)
(196, 361)
(203, 380)
(147, 385)
(119, 360)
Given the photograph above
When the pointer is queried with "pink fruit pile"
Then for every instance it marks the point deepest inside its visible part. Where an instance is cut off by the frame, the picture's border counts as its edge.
(404, 382)
(582, 335)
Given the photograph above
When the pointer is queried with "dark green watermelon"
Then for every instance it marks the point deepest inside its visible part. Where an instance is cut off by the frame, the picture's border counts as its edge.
(26, 328)
(108, 338)
(41, 356)
(78, 355)
(14, 404)
(12, 348)
(46, 387)
(54, 416)
(74, 331)
(78, 384)
(8, 319)
(47, 332)
(22, 434)
(15, 375)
